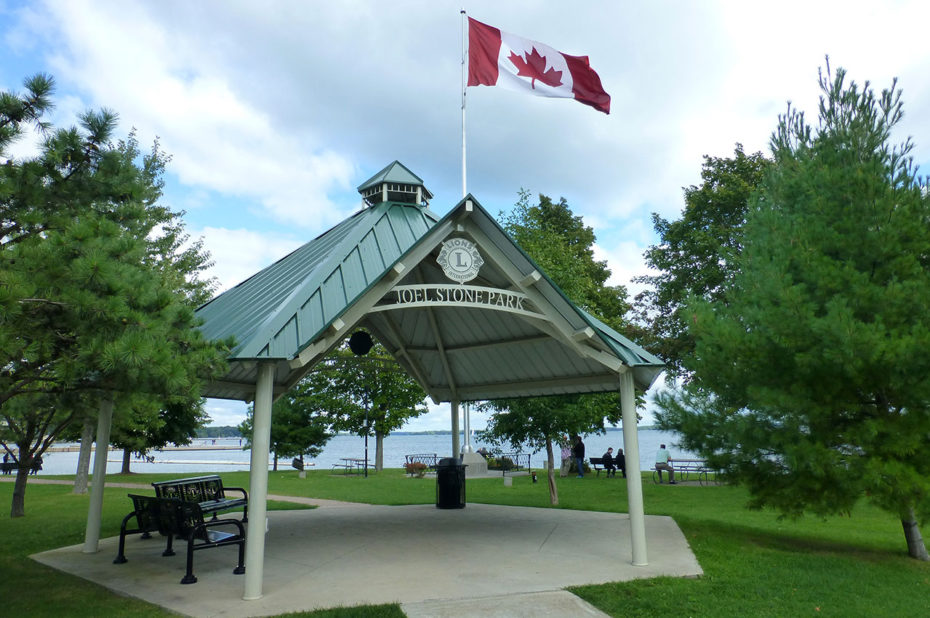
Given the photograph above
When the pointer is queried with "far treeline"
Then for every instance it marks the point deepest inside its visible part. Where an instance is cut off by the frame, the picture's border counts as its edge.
(218, 431)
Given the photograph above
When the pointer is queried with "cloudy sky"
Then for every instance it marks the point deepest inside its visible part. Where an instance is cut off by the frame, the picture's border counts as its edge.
(274, 112)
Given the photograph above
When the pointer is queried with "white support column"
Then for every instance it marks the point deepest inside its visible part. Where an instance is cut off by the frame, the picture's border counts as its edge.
(258, 483)
(95, 509)
(634, 480)
(466, 421)
(455, 429)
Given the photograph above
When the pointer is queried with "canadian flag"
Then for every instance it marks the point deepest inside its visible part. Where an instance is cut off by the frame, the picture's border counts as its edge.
(497, 58)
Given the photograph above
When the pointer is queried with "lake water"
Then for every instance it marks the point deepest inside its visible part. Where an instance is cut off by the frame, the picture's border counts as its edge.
(395, 448)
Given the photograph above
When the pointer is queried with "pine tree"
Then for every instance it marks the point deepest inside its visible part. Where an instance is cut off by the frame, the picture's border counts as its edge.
(810, 381)
(97, 289)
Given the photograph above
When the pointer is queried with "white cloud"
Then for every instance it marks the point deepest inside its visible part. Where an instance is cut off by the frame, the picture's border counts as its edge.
(439, 418)
(225, 413)
(165, 84)
(238, 254)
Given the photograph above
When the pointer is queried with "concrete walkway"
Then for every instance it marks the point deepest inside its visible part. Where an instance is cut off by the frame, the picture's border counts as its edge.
(492, 560)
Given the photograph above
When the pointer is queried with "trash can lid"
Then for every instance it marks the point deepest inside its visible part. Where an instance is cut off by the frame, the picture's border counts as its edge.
(446, 462)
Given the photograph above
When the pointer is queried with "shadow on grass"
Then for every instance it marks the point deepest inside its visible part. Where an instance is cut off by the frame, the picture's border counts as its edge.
(786, 541)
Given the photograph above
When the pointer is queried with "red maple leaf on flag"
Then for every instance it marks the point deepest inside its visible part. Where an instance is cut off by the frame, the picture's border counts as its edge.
(534, 67)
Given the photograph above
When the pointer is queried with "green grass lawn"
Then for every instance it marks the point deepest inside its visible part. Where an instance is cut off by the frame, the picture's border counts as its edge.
(754, 564)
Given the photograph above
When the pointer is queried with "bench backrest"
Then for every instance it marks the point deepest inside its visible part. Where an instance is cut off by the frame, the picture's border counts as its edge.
(167, 515)
(430, 459)
(146, 511)
(196, 489)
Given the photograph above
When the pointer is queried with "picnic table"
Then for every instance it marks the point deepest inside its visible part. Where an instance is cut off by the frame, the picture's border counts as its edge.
(351, 465)
(687, 467)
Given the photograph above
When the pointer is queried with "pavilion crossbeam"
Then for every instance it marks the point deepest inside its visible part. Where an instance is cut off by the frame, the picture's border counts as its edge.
(531, 388)
(484, 345)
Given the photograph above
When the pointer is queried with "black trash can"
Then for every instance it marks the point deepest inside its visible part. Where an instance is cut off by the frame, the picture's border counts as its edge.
(450, 484)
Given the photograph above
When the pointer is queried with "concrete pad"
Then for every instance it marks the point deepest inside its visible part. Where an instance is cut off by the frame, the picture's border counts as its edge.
(556, 604)
(353, 555)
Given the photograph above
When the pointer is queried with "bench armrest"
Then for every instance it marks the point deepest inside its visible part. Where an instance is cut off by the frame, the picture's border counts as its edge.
(214, 523)
(245, 494)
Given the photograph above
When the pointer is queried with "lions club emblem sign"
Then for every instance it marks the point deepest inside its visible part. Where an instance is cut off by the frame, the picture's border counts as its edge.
(459, 259)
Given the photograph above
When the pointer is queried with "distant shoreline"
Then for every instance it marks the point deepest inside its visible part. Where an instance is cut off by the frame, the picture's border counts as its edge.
(435, 432)
(223, 432)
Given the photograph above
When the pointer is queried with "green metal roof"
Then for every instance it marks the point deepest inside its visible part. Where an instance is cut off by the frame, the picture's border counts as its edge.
(298, 308)
(273, 312)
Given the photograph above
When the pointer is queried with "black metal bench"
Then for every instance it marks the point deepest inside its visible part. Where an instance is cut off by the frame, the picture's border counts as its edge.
(597, 464)
(8, 467)
(206, 491)
(175, 518)
(430, 460)
(509, 462)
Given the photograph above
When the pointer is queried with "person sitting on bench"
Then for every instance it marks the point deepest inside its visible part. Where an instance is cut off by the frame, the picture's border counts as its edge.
(664, 462)
(608, 460)
(620, 462)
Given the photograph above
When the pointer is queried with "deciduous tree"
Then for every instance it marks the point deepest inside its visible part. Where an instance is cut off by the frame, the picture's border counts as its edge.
(300, 423)
(559, 241)
(696, 255)
(368, 395)
(147, 423)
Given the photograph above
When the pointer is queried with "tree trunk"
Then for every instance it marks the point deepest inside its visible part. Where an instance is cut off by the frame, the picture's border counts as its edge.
(83, 466)
(915, 542)
(127, 456)
(18, 507)
(379, 451)
(550, 474)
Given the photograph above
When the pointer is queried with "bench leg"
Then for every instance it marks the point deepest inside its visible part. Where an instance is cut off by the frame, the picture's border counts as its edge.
(189, 576)
(121, 553)
(168, 549)
(239, 570)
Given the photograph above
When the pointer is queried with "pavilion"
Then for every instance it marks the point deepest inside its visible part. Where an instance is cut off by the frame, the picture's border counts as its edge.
(457, 303)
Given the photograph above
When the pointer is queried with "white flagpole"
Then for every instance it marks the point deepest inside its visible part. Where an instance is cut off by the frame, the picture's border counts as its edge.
(464, 82)
(468, 448)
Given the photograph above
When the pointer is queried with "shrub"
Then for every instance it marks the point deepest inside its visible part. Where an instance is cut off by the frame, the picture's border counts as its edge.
(417, 468)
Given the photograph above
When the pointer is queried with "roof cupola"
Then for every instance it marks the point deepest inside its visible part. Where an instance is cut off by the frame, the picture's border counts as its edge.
(395, 183)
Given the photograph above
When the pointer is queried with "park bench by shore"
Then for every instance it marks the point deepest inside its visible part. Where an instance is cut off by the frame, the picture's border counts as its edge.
(597, 464)
(509, 462)
(206, 491)
(686, 469)
(430, 460)
(175, 518)
(9, 467)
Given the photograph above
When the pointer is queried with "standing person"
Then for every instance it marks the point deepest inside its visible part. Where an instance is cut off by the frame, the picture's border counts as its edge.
(664, 462)
(608, 459)
(620, 461)
(6, 458)
(566, 456)
(578, 454)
